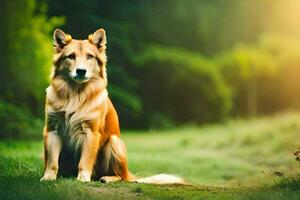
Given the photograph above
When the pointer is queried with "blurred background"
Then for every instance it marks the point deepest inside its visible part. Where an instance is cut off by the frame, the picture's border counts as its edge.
(170, 63)
(205, 89)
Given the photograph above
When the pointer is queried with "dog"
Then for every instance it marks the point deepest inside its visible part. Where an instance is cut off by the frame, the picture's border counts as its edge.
(81, 133)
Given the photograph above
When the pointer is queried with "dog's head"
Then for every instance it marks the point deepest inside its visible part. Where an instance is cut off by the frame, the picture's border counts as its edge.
(79, 61)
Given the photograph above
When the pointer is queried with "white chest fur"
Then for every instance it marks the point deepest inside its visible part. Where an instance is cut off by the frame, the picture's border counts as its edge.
(67, 116)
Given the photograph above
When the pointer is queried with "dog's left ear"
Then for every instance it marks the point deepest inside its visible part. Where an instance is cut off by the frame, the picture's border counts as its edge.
(98, 38)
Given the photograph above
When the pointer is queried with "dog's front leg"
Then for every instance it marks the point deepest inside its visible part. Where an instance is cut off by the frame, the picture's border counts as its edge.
(52, 148)
(89, 152)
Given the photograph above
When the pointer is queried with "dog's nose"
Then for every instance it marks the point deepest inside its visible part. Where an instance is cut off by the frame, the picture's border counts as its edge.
(80, 72)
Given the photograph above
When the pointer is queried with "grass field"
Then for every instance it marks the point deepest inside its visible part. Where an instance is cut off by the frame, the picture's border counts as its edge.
(239, 159)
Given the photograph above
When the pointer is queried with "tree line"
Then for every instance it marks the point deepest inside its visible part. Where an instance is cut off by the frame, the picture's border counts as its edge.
(169, 62)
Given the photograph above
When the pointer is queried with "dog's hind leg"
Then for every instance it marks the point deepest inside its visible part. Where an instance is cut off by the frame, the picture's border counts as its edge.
(115, 162)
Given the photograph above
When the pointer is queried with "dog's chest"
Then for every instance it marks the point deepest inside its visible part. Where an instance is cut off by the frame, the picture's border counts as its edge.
(70, 118)
(61, 122)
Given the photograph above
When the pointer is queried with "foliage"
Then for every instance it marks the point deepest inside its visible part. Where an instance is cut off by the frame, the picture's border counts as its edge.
(181, 85)
(16, 122)
(169, 62)
(27, 53)
(25, 64)
(285, 51)
(246, 69)
(262, 77)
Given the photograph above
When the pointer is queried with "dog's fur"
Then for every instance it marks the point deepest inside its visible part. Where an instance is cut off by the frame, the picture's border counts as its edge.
(81, 133)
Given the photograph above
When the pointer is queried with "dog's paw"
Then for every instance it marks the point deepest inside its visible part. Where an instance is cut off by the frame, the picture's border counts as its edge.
(84, 176)
(109, 179)
(49, 177)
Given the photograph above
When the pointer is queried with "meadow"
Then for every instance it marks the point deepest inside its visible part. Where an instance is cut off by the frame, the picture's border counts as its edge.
(196, 85)
(238, 159)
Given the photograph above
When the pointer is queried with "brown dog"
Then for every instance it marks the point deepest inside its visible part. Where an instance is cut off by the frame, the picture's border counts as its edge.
(81, 134)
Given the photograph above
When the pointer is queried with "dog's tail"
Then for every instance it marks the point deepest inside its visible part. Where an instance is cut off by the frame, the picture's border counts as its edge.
(160, 179)
(116, 162)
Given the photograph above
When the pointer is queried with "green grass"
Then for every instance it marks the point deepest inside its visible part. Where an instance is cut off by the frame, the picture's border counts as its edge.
(236, 160)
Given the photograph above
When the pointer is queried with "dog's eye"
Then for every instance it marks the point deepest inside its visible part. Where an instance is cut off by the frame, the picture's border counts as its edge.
(71, 56)
(89, 56)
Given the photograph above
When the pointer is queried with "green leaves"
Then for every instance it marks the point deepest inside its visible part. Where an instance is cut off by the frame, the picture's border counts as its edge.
(184, 85)
(28, 54)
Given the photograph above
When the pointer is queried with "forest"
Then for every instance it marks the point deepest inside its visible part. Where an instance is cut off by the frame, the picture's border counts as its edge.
(207, 90)
(170, 63)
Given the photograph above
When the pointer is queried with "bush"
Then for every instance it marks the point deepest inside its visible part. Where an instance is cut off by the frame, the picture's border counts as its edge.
(182, 85)
(248, 71)
(264, 77)
(28, 53)
(18, 123)
(25, 64)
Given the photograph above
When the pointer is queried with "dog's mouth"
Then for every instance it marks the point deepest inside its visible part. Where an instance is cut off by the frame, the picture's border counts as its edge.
(80, 79)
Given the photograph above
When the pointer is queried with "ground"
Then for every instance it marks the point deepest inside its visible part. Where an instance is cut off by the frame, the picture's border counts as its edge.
(238, 159)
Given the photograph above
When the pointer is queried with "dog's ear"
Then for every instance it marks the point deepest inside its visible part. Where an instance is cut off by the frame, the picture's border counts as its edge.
(98, 38)
(61, 39)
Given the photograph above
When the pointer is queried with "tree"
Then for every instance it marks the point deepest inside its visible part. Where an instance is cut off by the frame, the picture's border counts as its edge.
(27, 55)
(244, 69)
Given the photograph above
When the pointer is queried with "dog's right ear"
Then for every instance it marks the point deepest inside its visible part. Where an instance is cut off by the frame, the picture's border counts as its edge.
(61, 39)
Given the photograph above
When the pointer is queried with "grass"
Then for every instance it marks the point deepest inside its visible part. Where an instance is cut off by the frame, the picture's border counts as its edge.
(236, 160)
